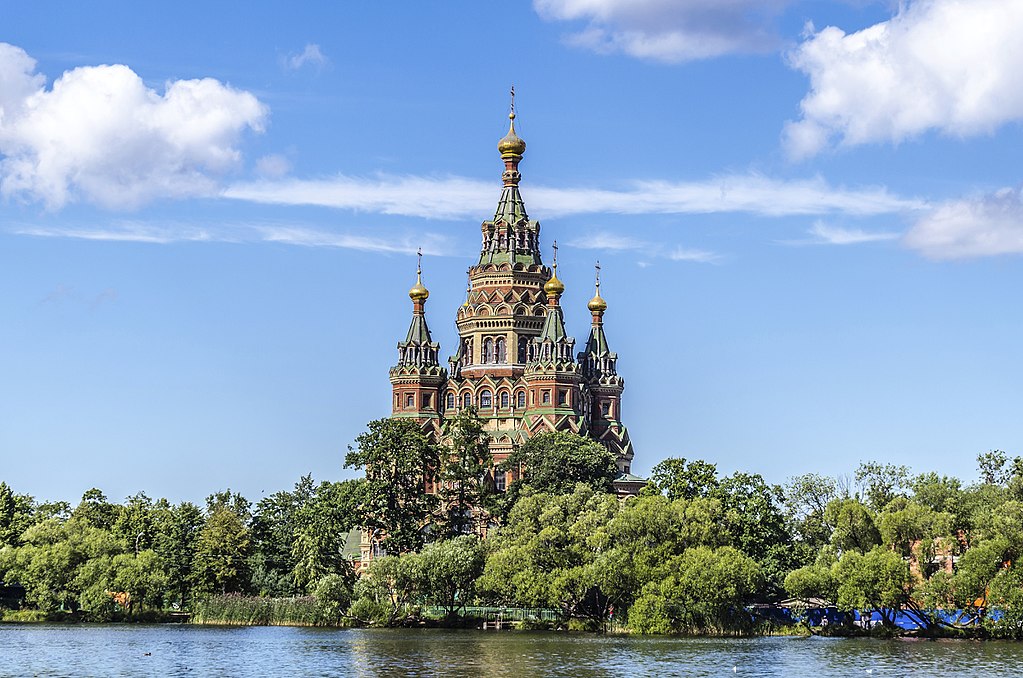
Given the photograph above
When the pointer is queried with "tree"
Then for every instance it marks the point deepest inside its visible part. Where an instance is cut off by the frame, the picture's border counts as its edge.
(806, 499)
(707, 591)
(753, 513)
(992, 467)
(465, 470)
(852, 526)
(449, 571)
(552, 553)
(399, 461)
(95, 510)
(275, 526)
(222, 549)
(176, 544)
(15, 515)
(678, 478)
(881, 482)
(135, 523)
(555, 461)
(877, 580)
(323, 524)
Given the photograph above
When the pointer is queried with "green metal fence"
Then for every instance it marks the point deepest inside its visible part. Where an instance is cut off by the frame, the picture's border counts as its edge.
(507, 614)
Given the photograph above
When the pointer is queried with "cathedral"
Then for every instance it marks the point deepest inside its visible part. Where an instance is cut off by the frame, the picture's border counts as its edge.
(514, 362)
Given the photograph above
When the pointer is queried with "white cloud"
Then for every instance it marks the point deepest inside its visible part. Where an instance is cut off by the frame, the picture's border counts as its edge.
(458, 197)
(613, 242)
(273, 166)
(946, 65)
(165, 233)
(100, 135)
(826, 234)
(984, 226)
(310, 56)
(669, 30)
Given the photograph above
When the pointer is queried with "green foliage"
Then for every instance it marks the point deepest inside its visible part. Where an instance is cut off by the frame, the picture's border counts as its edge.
(554, 462)
(15, 515)
(678, 478)
(333, 594)
(235, 609)
(465, 486)
(222, 550)
(706, 592)
(881, 482)
(992, 466)
(878, 580)
(449, 570)
(399, 461)
(852, 526)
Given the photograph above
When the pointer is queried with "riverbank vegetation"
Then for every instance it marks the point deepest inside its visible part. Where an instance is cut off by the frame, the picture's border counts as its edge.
(693, 554)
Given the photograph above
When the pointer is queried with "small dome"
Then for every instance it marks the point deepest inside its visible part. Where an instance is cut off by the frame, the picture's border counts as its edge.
(419, 292)
(554, 287)
(511, 144)
(597, 304)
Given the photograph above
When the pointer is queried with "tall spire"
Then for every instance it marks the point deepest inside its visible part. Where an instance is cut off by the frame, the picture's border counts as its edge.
(511, 237)
(597, 359)
(554, 325)
(418, 348)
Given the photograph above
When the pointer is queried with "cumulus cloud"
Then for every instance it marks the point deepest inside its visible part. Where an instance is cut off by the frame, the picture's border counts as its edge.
(289, 234)
(99, 134)
(946, 65)
(975, 227)
(459, 197)
(669, 30)
(310, 56)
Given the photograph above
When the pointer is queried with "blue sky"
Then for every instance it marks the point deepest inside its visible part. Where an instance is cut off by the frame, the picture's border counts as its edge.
(808, 216)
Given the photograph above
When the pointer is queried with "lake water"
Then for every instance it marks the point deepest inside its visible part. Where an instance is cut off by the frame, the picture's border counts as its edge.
(181, 650)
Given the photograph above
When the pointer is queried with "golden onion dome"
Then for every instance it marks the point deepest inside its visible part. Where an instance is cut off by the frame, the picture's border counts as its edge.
(554, 287)
(511, 144)
(597, 304)
(419, 291)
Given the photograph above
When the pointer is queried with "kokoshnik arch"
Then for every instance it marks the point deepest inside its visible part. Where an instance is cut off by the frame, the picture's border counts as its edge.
(515, 360)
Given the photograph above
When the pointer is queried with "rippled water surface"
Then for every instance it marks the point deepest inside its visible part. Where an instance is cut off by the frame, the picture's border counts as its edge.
(174, 650)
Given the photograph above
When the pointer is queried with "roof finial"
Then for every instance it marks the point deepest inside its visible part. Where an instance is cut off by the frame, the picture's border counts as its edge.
(554, 288)
(511, 146)
(597, 305)
(419, 293)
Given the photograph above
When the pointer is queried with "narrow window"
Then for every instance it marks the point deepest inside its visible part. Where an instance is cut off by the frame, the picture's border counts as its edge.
(562, 396)
(546, 397)
(605, 408)
(523, 346)
(410, 400)
(488, 350)
(427, 400)
(486, 400)
(504, 398)
(521, 399)
(500, 481)
(502, 356)
(451, 401)
(466, 400)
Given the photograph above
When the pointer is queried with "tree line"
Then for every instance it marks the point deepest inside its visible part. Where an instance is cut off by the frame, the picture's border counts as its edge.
(690, 554)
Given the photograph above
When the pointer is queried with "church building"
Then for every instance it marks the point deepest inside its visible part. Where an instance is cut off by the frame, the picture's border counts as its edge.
(515, 362)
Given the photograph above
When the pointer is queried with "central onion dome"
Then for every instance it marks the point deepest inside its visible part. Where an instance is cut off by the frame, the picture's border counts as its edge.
(511, 144)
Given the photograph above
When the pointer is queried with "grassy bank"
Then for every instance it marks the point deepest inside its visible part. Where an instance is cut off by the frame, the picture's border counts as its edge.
(238, 610)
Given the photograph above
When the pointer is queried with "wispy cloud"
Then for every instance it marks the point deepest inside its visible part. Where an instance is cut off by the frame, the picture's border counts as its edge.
(460, 197)
(141, 232)
(828, 234)
(616, 243)
(310, 56)
(669, 30)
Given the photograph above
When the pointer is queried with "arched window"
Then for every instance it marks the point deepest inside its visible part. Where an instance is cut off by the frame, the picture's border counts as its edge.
(523, 347)
(504, 398)
(488, 350)
(486, 399)
(546, 397)
(502, 355)
(520, 399)
(451, 401)
(466, 400)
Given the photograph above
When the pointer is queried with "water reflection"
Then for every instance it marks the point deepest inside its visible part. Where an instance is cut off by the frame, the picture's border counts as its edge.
(129, 650)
